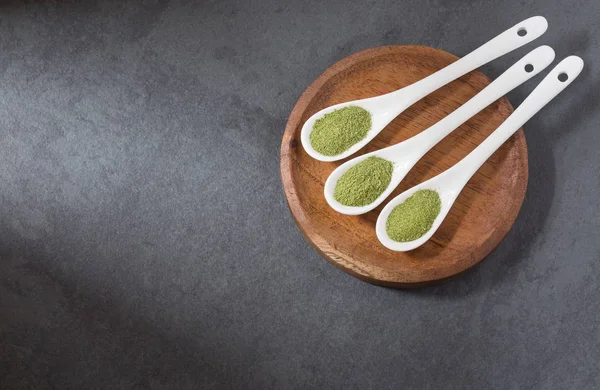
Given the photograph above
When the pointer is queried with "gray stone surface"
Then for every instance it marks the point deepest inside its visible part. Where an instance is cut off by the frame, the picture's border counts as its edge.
(144, 237)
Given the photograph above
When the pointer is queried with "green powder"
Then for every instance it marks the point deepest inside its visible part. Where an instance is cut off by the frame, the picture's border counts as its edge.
(337, 131)
(413, 218)
(364, 182)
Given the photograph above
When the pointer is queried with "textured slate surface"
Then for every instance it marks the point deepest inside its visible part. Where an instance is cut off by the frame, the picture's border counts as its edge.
(144, 237)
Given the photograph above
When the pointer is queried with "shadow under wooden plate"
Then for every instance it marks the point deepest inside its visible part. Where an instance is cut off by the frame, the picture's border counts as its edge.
(483, 213)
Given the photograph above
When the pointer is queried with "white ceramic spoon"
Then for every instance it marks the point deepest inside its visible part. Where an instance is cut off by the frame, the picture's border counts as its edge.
(406, 154)
(385, 108)
(451, 182)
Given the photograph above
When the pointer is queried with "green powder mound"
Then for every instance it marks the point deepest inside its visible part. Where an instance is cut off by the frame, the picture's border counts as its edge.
(412, 219)
(364, 182)
(337, 131)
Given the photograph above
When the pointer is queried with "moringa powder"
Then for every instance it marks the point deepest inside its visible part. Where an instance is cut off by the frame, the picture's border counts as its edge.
(337, 131)
(413, 218)
(364, 182)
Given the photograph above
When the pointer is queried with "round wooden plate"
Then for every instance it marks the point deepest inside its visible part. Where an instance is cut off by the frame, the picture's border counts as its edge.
(483, 213)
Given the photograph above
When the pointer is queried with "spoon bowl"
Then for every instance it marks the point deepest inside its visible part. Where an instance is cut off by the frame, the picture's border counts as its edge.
(404, 156)
(447, 188)
(383, 110)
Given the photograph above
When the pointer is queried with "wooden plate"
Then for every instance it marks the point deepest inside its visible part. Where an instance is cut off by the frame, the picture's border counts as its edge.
(483, 213)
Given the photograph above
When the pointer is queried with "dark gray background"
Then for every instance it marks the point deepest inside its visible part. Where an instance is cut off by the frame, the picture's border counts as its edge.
(144, 237)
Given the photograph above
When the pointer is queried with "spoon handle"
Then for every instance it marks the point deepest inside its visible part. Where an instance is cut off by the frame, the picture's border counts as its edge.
(558, 79)
(524, 69)
(509, 40)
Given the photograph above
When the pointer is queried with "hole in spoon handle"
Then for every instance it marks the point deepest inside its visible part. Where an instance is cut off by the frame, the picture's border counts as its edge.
(531, 28)
(533, 63)
(513, 38)
(567, 71)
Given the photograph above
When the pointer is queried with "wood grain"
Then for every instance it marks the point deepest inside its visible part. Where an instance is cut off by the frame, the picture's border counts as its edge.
(483, 213)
